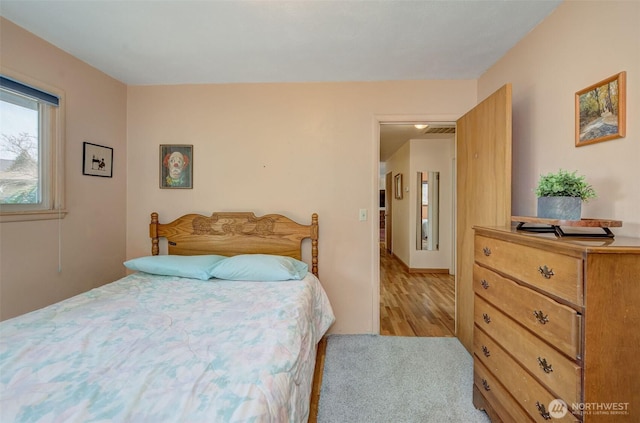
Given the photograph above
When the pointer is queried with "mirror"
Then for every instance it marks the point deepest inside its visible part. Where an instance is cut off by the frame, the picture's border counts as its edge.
(428, 209)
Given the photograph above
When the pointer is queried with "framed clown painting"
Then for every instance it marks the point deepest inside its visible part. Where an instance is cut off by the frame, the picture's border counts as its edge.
(176, 166)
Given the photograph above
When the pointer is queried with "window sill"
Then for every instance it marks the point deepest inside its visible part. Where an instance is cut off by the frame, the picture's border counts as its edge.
(25, 216)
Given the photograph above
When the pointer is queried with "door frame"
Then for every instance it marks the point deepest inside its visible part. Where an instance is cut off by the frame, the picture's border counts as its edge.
(388, 212)
(375, 197)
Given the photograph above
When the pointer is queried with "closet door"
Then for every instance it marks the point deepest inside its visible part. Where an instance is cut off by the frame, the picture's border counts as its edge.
(483, 193)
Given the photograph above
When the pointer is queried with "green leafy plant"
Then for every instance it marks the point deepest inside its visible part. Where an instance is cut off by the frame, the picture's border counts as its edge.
(564, 184)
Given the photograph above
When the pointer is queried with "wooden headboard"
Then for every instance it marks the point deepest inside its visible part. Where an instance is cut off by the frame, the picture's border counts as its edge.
(233, 233)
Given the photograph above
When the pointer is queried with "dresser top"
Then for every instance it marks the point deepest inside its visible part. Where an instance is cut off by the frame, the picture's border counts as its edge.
(616, 245)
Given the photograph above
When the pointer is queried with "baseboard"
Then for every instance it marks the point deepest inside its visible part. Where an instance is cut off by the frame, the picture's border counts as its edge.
(429, 271)
(419, 270)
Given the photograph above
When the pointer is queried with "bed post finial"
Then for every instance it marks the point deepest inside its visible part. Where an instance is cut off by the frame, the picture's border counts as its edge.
(314, 243)
(153, 233)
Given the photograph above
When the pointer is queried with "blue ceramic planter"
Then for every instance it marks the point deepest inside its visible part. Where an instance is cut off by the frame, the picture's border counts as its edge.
(562, 208)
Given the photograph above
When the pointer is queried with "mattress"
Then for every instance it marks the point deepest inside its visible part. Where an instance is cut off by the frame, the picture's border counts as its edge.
(160, 349)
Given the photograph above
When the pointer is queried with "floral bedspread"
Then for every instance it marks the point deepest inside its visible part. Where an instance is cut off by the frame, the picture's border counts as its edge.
(166, 349)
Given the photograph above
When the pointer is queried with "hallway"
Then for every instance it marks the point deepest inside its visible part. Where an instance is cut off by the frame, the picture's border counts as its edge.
(414, 304)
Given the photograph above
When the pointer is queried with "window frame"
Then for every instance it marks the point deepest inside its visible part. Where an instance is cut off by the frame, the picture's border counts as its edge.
(52, 157)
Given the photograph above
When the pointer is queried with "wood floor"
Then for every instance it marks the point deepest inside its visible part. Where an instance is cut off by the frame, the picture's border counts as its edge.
(414, 304)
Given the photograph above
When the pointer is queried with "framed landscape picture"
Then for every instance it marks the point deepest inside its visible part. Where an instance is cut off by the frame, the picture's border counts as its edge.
(176, 166)
(601, 111)
(97, 160)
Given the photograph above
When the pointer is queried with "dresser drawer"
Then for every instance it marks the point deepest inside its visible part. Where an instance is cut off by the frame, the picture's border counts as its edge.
(561, 375)
(554, 273)
(503, 403)
(553, 322)
(530, 394)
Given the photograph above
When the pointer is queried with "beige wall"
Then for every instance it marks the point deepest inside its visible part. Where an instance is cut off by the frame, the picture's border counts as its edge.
(282, 148)
(433, 155)
(303, 148)
(400, 163)
(579, 44)
(90, 241)
(415, 156)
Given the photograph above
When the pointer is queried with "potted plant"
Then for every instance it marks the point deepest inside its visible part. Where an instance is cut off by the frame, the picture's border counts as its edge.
(560, 195)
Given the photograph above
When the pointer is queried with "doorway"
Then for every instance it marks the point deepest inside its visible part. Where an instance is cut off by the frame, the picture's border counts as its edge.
(482, 161)
(412, 302)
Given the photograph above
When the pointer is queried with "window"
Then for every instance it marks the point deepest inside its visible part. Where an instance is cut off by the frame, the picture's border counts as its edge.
(31, 172)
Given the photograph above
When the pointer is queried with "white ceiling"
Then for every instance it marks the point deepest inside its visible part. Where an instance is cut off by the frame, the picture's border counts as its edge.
(393, 136)
(143, 42)
(149, 42)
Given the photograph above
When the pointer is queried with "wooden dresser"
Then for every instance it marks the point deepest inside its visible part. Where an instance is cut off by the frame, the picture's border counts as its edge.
(556, 319)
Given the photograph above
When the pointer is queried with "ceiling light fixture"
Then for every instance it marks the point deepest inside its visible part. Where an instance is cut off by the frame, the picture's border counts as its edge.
(420, 126)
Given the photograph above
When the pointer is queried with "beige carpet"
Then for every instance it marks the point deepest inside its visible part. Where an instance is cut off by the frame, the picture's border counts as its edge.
(382, 379)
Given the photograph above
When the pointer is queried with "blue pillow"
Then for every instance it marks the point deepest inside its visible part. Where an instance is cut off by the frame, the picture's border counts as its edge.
(260, 267)
(196, 267)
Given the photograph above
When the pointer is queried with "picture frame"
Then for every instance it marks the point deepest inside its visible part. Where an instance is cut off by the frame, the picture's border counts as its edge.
(601, 111)
(398, 185)
(97, 160)
(176, 166)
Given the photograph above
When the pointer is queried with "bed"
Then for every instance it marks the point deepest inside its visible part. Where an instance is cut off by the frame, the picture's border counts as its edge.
(161, 347)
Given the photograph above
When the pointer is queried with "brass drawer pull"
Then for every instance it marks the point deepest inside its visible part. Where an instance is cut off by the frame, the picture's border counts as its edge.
(484, 284)
(485, 385)
(545, 271)
(541, 317)
(546, 367)
(485, 351)
(486, 318)
(543, 411)
(486, 251)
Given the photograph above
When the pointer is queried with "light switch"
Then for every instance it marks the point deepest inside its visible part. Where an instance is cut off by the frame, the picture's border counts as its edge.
(363, 215)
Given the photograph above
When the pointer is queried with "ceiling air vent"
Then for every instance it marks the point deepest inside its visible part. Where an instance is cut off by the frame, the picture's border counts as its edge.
(440, 130)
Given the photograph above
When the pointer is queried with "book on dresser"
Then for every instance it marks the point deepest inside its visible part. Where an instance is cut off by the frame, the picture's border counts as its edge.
(556, 327)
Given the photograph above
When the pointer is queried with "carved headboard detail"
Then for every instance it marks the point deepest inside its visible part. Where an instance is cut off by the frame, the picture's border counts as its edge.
(233, 233)
(225, 224)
